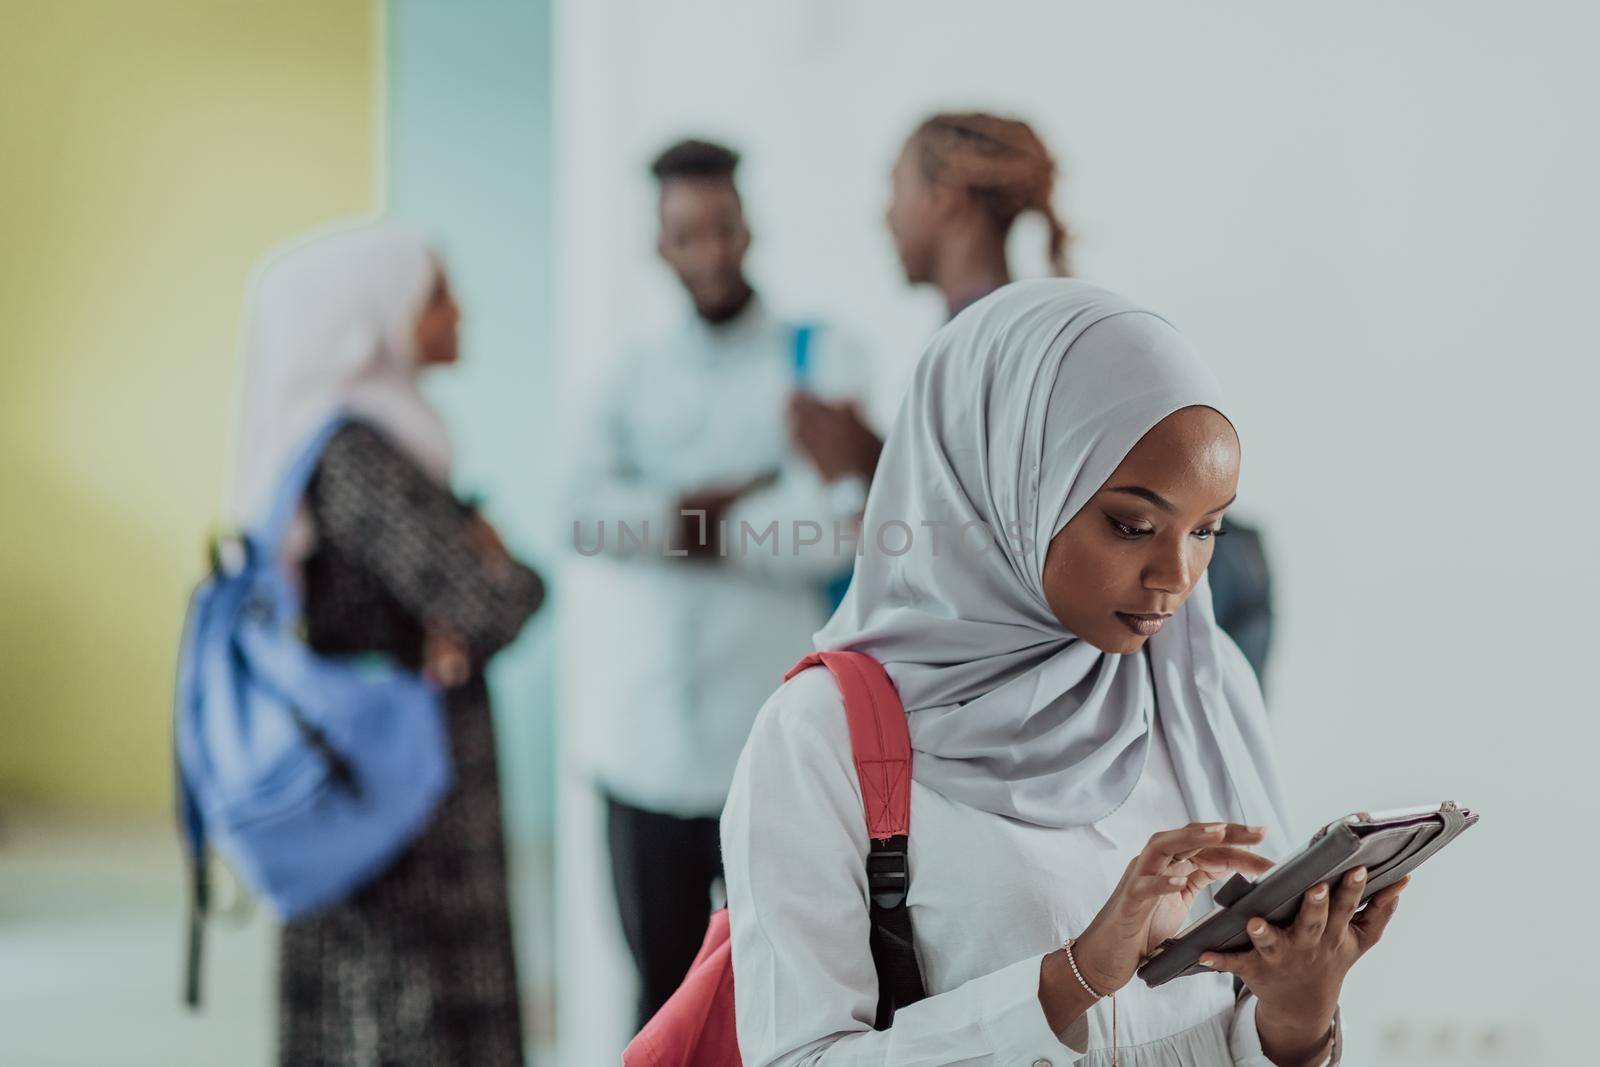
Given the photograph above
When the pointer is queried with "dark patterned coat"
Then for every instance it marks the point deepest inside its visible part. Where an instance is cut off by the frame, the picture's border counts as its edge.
(416, 970)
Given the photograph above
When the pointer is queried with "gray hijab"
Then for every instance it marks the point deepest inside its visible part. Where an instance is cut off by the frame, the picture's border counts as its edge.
(1019, 411)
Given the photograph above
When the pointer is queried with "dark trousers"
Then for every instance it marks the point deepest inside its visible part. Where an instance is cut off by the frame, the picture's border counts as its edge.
(663, 868)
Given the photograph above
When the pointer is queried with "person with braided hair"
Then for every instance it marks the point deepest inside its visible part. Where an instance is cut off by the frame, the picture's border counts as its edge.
(960, 184)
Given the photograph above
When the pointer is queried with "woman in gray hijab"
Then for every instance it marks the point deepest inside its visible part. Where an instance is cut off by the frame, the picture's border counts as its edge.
(1090, 751)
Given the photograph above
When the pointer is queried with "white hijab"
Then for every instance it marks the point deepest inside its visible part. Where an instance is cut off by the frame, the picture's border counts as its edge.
(1019, 411)
(330, 324)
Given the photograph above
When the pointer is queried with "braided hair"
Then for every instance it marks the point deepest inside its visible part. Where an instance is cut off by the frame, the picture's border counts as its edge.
(1001, 163)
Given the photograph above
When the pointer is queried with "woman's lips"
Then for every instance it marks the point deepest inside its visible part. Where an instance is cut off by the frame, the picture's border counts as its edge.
(1146, 624)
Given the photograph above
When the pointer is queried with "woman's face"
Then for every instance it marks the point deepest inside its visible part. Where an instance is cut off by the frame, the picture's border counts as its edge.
(1125, 563)
(438, 343)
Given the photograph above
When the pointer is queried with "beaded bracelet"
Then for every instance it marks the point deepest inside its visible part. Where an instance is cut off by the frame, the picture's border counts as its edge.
(1073, 963)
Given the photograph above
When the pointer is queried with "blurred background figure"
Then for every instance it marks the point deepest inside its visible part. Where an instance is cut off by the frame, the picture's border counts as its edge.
(1241, 592)
(958, 186)
(418, 967)
(689, 451)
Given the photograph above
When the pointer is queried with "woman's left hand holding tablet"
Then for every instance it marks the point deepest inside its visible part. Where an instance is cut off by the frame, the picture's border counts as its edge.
(1296, 972)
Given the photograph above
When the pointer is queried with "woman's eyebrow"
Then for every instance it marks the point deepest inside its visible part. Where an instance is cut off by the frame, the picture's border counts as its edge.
(1145, 494)
(1162, 502)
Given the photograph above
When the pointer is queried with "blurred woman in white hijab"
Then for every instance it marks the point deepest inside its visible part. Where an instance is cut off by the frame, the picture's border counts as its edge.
(416, 970)
(1089, 751)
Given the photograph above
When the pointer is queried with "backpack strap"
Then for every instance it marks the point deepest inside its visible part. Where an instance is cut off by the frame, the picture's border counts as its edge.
(800, 352)
(880, 744)
(194, 839)
(292, 486)
(802, 334)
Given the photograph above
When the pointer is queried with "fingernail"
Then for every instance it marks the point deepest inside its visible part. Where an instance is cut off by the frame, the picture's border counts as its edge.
(1258, 927)
(1216, 828)
(1360, 874)
(1205, 961)
(1319, 892)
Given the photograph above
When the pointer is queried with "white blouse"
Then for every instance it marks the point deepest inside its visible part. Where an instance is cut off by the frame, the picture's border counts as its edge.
(989, 897)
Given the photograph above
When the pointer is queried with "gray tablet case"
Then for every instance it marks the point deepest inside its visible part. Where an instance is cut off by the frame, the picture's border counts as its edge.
(1390, 844)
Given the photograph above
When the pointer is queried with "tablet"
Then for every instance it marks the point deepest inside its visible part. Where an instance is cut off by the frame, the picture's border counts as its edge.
(1391, 844)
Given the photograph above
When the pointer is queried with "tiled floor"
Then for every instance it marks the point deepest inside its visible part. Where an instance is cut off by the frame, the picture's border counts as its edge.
(91, 952)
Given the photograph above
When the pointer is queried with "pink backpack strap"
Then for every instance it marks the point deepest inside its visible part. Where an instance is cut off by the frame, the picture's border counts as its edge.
(880, 742)
(879, 738)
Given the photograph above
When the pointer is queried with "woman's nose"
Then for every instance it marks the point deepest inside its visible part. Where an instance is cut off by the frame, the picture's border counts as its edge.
(1169, 572)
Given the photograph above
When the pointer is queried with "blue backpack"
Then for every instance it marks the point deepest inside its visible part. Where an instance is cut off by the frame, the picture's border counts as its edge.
(309, 774)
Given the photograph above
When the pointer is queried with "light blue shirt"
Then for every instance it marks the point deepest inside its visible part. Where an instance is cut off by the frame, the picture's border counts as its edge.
(671, 658)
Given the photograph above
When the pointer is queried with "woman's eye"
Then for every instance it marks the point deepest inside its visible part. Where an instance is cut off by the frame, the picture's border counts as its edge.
(1209, 533)
(1124, 530)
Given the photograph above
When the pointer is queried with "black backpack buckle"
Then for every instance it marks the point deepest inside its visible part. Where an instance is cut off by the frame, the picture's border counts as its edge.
(888, 872)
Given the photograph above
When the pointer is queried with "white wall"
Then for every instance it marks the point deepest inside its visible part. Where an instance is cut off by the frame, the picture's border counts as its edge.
(1377, 219)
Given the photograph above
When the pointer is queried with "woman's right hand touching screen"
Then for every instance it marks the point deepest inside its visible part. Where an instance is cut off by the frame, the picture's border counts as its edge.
(1158, 888)
(1149, 905)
